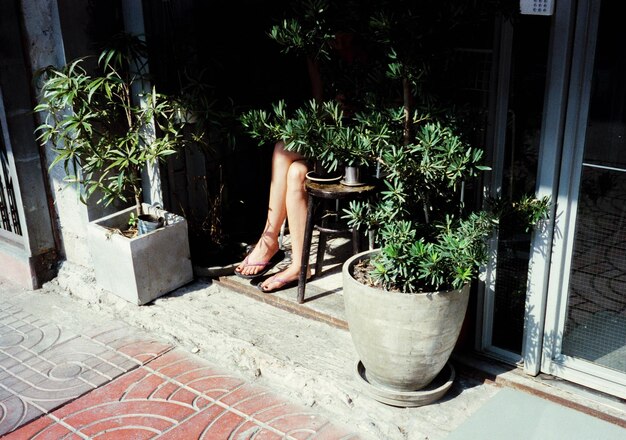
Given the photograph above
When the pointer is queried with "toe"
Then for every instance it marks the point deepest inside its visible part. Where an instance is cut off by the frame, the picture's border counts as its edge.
(265, 285)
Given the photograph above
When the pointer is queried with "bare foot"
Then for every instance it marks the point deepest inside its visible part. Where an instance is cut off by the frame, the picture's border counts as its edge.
(286, 278)
(262, 253)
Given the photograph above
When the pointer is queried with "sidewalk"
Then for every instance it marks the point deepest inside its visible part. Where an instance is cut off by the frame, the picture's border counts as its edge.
(130, 385)
(305, 362)
(208, 358)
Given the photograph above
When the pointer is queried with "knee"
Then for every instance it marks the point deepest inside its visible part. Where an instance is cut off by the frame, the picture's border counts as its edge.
(281, 157)
(279, 148)
(296, 175)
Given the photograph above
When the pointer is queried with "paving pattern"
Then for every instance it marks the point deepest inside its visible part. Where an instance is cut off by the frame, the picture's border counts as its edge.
(116, 383)
(43, 366)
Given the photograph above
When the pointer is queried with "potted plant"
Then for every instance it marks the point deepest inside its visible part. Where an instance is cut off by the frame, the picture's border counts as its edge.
(104, 131)
(406, 300)
(317, 131)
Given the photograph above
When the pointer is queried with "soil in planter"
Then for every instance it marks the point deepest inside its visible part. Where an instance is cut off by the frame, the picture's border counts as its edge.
(130, 232)
(361, 273)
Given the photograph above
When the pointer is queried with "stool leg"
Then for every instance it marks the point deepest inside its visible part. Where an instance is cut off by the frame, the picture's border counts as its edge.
(356, 241)
(321, 248)
(321, 242)
(306, 249)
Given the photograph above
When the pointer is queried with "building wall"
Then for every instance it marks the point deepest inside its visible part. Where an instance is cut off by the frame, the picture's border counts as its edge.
(42, 32)
(31, 261)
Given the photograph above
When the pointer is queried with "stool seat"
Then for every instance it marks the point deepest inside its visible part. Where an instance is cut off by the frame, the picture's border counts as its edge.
(321, 192)
(337, 191)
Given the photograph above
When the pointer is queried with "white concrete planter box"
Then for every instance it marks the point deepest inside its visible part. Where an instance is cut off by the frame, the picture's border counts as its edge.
(143, 268)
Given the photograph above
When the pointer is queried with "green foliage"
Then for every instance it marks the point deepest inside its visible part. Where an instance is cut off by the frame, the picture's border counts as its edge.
(409, 262)
(310, 34)
(320, 131)
(132, 220)
(429, 238)
(101, 134)
(525, 213)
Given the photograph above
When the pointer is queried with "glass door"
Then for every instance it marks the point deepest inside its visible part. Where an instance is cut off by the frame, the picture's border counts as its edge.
(585, 336)
(518, 111)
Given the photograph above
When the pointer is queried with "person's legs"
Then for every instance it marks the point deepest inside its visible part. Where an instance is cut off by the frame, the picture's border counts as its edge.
(267, 245)
(296, 204)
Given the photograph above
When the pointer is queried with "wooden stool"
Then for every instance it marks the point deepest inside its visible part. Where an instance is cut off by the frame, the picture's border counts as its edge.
(325, 192)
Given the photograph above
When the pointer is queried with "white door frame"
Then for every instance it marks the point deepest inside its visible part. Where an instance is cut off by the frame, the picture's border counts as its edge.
(563, 225)
(551, 140)
(550, 152)
(498, 107)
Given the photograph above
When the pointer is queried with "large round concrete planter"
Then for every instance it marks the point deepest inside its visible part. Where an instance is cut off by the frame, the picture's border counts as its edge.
(403, 340)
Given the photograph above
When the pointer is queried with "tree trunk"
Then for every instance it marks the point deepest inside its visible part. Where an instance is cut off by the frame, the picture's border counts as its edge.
(136, 185)
(317, 87)
(407, 98)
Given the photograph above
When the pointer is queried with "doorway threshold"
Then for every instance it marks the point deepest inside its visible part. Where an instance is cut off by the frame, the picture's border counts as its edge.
(323, 296)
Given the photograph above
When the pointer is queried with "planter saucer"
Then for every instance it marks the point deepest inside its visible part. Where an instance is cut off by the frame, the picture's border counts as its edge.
(314, 177)
(429, 394)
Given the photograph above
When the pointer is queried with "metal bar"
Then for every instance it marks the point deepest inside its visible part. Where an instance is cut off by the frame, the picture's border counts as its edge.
(9, 210)
(4, 212)
(604, 167)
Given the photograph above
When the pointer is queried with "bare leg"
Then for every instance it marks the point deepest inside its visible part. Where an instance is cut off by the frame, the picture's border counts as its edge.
(267, 245)
(296, 204)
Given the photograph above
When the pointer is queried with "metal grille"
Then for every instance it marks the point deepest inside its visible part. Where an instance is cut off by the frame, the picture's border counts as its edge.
(596, 316)
(9, 215)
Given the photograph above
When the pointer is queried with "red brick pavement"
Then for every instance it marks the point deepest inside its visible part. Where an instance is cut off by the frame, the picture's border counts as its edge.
(181, 396)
